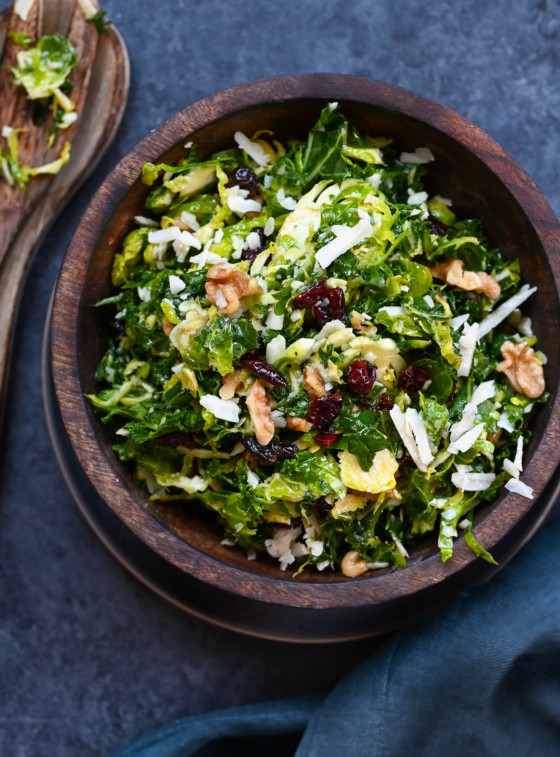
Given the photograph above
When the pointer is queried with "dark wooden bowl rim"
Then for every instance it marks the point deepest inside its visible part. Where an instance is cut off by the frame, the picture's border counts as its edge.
(103, 471)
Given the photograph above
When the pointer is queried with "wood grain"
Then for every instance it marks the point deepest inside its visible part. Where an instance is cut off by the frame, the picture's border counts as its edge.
(100, 101)
(483, 181)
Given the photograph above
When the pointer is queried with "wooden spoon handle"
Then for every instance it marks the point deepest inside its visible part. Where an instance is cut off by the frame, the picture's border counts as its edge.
(34, 150)
(14, 113)
(25, 218)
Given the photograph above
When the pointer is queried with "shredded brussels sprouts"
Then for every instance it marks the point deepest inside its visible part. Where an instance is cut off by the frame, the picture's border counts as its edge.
(304, 348)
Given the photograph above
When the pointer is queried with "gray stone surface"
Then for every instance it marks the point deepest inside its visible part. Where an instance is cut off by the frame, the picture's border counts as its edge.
(89, 658)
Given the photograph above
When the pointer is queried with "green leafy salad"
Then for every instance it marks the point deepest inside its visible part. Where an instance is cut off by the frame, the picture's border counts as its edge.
(318, 351)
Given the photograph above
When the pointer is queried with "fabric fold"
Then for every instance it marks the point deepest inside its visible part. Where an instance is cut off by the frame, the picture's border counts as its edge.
(479, 677)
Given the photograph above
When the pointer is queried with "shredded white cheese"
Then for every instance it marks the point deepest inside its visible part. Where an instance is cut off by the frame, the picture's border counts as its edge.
(275, 348)
(411, 429)
(253, 240)
(483, 392)
(190, 220)
(269, 227)
(467, 346)
(143, 221)
(466, 441)
(278, 418)
(518, 462)
(392, 310)
(240, 205)
(285, 202)
(176, 284)
(511, 468)
(163, 236)
(467, 480)
(252, 149)
(374, 180)
(203, 258)
(273, 321)
(494, 318)
(518, 487)
(419, 156)
(458, 321)
(183, 244)
(346, 237)
(225, 410)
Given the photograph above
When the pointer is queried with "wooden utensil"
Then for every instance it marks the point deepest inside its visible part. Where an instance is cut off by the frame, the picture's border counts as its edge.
(100, 89)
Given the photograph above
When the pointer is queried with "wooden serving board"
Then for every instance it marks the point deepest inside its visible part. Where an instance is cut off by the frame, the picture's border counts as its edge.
(103, 111)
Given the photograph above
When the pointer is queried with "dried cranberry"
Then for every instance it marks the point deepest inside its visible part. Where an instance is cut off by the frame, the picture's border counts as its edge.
(249, 253)
(326, 439)
(244, 178)
(328, 304)
(268, 454)
(331, 307)
(324, 410)
(361, 376)
(262, 369)
(175, 439)
(118, 327)
(412, 379)
(384, 404)
(311, 296)
(436, 227)
(404, 462)
(321, 506)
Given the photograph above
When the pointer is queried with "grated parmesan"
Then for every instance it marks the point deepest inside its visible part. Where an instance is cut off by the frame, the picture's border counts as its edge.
(288, 203)
(483, 392)
(240, 205)
(252, 149)
(176, 284)
(225, 410)
(275, 348)
(420, 155)
(471, 481)
(346, 237)
(495, 317)
(467, 346)
(518, 487)
(411, 429)
(273, 321)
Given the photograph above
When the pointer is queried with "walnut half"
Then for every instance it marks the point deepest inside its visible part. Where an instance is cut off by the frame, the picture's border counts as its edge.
(227, 285)
(313, 382)
(259, 410)
(451, 271)
(521, 368)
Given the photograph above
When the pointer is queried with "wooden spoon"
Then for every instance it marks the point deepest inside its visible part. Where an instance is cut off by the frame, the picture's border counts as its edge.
(101, 81)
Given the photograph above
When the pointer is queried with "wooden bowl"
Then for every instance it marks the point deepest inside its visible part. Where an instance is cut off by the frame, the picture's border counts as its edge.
(483, 181)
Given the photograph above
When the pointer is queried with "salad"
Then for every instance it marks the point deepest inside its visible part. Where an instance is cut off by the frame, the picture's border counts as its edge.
(312, 347)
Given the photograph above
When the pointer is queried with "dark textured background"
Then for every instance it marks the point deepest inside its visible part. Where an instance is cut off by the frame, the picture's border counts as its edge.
(89, 658)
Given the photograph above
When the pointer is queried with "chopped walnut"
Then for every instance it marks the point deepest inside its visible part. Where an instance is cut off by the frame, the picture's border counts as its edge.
(313, 382)
(353, 565)
(230, 384)
(359, 322)
(227, 285)
(298, 424)
(452, 272)
(167, 326)
(521, 368)
(259, 411)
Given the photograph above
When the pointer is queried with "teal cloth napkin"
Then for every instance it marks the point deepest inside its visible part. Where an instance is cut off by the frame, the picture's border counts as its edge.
(480, 677)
